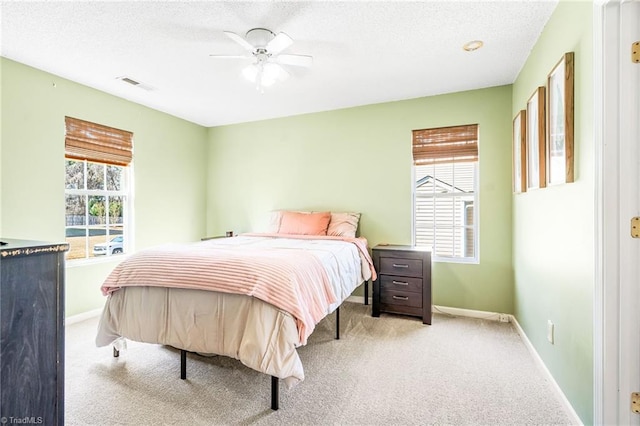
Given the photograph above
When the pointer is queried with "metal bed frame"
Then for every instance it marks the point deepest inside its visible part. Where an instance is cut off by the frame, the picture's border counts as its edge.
(275, 382)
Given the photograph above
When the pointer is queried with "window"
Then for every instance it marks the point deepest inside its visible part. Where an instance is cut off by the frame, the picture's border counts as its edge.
(445, 193)
(97, 189)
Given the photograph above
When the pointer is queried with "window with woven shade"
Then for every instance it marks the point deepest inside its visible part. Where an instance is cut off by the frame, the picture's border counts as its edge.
(445, 163)
(97, 189)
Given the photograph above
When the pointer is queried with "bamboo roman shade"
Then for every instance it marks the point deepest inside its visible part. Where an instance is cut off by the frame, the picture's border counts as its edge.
(445, 144)
(94, 142)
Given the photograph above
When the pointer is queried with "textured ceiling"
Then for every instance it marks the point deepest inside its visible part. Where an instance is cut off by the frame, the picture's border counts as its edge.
(364, 52)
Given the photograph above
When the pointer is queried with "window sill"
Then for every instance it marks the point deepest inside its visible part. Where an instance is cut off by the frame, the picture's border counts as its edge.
(469, 261)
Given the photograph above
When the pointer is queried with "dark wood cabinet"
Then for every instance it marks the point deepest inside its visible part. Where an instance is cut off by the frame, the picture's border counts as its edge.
(32, 332)
(403, 285)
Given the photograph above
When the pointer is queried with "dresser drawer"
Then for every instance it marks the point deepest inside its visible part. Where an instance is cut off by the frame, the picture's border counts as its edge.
(397, 283)
(401, 298)
(401, 267)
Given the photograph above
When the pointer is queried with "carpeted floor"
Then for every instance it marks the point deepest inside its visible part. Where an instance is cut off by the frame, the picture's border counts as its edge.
(391, 370)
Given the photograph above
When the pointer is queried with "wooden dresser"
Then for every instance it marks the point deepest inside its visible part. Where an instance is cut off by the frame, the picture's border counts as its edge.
(32, 332)
(403, 285)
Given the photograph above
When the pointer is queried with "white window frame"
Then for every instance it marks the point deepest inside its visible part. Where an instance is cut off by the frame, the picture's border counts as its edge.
(475, 226)
(126, 192)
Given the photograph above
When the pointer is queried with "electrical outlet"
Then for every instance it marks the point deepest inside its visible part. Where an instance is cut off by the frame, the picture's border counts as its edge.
(503, 318)
(550, 331)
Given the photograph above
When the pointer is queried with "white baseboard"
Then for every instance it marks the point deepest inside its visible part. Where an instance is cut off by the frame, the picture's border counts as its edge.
(575, 420)
(73, 319)
(493, 316)
(356, 299)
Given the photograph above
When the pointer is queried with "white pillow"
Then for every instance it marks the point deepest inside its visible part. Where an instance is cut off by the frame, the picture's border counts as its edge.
(343, 224)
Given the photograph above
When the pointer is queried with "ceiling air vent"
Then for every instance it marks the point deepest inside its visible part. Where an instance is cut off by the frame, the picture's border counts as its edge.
(135, 83)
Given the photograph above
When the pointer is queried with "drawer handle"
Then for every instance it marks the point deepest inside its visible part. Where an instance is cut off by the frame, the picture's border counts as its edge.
(400, 282)
(397, 265)
(401, 297)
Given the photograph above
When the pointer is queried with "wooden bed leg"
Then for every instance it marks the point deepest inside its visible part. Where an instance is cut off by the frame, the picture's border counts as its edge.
(338, 323)
(116, 353)
(183, 364)
(275, 393)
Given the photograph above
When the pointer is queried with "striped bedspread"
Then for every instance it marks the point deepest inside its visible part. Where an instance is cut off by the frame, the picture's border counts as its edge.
(291, 279)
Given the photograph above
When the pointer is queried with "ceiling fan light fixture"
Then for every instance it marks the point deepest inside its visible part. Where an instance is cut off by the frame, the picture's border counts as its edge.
(264, 47)
(250, 73)
(266, 82)
(269, 73)
(264, 74)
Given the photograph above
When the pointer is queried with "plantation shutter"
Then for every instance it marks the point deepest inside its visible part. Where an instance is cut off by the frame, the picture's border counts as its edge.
(445, 145)
(94, 142)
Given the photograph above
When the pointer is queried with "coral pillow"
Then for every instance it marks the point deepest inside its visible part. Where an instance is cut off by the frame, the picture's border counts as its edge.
(343, 224)
(304, 223)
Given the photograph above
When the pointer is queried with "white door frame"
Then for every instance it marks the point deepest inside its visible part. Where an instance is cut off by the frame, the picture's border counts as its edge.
(617, 133)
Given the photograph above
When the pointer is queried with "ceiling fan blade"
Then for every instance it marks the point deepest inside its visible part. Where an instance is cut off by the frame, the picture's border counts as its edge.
(230, 56)
(242, 42)
(283, 74)
(279, 43)
(295, 60)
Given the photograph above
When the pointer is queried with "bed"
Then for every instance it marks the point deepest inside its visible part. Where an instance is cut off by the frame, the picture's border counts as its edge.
(253, 297)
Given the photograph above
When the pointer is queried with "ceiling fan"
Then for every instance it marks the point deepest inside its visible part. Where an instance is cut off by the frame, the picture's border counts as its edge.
(264, 46)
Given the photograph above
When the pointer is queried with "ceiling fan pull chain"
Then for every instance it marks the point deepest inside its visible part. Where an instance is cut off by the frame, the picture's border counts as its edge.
(259, 85)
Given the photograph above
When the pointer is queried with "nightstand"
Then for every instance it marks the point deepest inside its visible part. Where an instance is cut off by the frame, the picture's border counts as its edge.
(403, 285)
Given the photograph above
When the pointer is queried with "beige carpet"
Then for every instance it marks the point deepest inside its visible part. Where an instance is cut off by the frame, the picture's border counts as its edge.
(391, 370)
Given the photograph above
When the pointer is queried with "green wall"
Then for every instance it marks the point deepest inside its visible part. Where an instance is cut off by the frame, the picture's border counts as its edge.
(536, 249)
(169, 169)
(359, 159)
(554, 227)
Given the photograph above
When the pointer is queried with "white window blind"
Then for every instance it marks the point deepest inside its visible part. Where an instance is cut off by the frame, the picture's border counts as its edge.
(445, 196)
